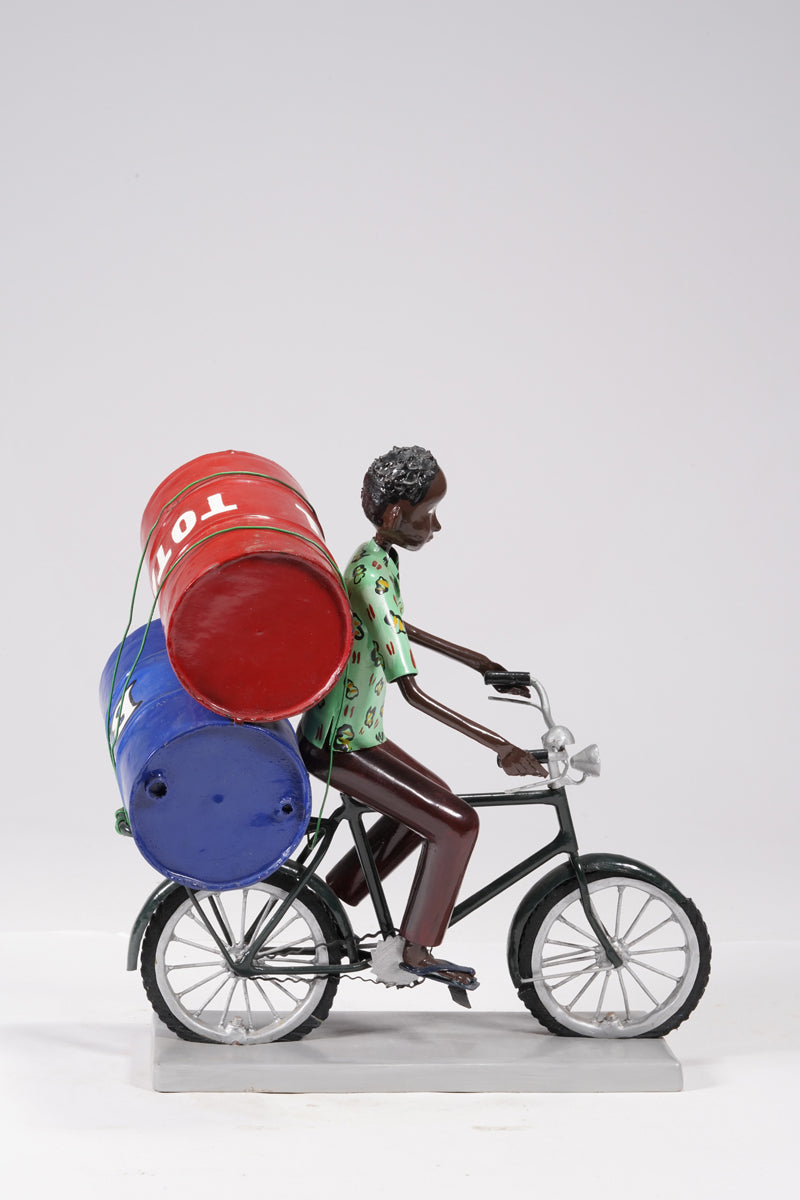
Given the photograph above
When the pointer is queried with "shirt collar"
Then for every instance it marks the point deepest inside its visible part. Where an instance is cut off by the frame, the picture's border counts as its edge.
(387, 557)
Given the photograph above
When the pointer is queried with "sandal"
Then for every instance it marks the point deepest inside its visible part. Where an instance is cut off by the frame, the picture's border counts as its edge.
(443, 971)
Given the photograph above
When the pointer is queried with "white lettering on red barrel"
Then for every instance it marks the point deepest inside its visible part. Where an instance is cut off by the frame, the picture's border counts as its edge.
(181, 530)
(183, 526)
(162, 558)
(215, 506)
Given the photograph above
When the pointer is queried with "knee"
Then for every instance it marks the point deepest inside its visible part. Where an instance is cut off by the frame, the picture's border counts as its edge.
(465, 823)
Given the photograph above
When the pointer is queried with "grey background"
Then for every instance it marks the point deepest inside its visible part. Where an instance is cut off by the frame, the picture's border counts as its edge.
(555, 243)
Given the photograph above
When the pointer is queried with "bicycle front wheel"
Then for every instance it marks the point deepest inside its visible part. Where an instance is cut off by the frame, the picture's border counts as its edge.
(569, 985)
(195, 992)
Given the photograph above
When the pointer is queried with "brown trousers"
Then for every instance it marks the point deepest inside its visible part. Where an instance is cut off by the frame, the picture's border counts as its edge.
(418, 809)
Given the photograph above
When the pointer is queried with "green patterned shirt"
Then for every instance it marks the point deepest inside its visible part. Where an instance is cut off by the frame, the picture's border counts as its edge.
(381, 653)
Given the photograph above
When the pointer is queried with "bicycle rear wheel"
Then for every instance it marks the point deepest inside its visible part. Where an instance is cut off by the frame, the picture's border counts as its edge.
(197, 995)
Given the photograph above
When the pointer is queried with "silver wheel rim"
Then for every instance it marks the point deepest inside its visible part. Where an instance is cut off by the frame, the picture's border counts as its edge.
(199, 987)
(579, 987)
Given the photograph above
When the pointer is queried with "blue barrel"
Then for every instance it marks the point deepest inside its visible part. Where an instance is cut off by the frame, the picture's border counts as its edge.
(211, 804)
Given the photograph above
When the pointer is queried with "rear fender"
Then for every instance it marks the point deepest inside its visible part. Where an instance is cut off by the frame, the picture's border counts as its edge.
(164, 889)
(317, 885)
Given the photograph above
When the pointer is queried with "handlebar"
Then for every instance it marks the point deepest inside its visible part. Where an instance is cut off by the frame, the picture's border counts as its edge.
(557, 738)
(503, 680)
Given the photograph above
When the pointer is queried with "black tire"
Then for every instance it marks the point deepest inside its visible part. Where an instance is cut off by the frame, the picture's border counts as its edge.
(181, 959)
(560, 963)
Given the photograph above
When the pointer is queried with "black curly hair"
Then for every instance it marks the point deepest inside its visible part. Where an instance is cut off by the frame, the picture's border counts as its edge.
(405, 473)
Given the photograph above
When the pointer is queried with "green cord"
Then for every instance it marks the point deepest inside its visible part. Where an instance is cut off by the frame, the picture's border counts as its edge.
(330, 772)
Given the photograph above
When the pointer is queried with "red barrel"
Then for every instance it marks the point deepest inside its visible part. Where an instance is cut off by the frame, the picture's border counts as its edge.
(257, 620)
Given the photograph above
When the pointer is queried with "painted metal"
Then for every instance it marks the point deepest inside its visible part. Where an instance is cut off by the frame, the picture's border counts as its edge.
(212, 804)
(589, 863)
(257, 620)
(159, 893)
(580, 871)
(556, 738)
(302, 880)
(587, 963)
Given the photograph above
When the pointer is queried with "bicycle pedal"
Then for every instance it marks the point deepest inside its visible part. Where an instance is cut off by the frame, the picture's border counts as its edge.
(460, 997)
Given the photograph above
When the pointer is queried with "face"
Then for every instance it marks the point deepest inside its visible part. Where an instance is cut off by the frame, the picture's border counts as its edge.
(411, 526)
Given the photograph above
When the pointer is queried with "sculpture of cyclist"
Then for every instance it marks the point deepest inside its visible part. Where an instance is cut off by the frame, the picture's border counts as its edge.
(401, 492)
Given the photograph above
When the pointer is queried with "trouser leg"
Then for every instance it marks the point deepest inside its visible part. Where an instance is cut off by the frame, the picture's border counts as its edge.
(392, 783)
(390, 844)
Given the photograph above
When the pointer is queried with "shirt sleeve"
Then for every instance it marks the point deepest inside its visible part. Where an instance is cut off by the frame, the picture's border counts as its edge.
(377, 603)
(398, 659)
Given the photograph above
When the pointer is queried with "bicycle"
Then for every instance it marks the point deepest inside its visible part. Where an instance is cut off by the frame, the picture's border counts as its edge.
(601, 946)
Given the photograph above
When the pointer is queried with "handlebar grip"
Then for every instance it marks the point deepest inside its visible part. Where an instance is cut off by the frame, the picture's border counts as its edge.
(541, 756)
(507, 679)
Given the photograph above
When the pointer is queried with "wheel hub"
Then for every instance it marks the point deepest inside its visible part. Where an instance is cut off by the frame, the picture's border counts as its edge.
(601, 958)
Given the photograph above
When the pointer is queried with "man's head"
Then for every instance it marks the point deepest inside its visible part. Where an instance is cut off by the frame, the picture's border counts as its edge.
(400, 493)
(405, 473)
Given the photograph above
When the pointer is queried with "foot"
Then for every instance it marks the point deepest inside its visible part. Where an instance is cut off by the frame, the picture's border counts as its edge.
(420, 961)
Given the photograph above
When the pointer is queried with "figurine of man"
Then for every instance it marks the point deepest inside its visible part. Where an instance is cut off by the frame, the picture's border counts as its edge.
(344, 734)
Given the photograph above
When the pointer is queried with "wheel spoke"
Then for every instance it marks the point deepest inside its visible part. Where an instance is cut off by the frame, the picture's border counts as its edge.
(250, 1025)
(285, 990)
(637, 918)
(216, 992)
(645, 989)
(227, 1007)
(287, 947)
(192, 916)
(620, 890)
(567, 978)
(602, 995)
(219, 913)
(624, 991)
(212, 949)
(575, 957)
(170, 967)
(252, 932)
(265, 998)
(650, 932)
(572, 945)
(208, 978)
(656, 971)
(284, 925)
(575, 999)
(582, 932)
(662, 950)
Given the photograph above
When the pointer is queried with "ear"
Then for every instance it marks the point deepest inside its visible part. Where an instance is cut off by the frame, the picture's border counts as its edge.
(391, 516)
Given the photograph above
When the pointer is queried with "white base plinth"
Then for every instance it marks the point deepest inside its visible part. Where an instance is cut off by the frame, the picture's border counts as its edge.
(421, 1052)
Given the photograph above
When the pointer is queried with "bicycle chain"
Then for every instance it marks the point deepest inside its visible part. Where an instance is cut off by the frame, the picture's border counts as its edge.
(367, 937)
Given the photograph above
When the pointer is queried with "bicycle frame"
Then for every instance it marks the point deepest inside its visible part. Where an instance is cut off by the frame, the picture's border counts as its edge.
(352, 812)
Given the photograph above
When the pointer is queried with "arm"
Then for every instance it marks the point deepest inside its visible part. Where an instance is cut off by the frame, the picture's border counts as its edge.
(470, 658)
(512, 759)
